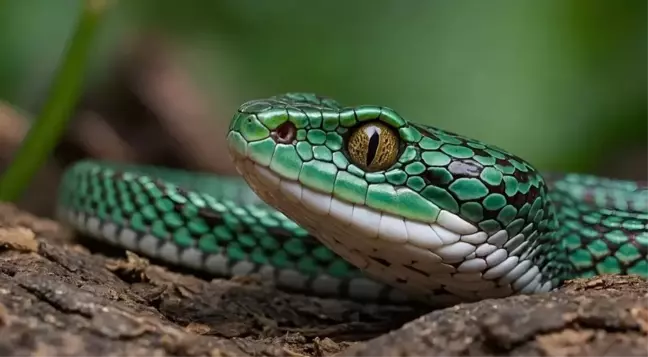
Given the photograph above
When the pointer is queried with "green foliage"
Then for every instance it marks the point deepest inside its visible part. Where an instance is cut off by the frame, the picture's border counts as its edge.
(51, 124)
(558, 82)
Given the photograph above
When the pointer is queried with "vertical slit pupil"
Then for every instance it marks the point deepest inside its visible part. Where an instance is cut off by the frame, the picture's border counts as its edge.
(372, 149)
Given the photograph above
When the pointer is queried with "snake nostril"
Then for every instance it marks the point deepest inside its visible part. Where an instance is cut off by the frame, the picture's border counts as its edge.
(285, 133)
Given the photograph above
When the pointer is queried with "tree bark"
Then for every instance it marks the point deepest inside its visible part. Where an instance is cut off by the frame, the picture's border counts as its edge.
(65, 296)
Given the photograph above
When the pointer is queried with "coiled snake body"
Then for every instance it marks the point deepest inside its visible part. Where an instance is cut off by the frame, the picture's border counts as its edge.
(358, 202)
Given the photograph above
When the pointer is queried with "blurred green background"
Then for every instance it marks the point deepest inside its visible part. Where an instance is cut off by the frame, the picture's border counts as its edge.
(561, 83)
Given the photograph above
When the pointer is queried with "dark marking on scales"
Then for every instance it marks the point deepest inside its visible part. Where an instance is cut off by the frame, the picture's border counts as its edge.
(212, 217)
(465, 168)
(416, 270)
(381, 261)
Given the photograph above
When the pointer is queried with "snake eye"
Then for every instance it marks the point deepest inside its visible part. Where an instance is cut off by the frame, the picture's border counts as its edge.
(373, 146)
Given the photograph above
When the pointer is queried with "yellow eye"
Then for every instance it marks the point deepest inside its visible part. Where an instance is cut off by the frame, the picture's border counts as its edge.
(373, 146)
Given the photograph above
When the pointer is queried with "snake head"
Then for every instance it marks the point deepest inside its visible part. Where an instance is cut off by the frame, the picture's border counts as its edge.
(400, 200)
(356, 155)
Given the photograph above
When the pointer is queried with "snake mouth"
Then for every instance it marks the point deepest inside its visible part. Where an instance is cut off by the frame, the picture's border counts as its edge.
(294, 199)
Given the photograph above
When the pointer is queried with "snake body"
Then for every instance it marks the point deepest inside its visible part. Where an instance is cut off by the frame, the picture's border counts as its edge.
(358, 202)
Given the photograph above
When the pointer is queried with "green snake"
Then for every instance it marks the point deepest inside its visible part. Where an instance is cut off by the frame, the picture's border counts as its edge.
(360, 203)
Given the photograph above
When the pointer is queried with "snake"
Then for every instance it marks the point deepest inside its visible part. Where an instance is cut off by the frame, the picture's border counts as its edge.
(357, 202)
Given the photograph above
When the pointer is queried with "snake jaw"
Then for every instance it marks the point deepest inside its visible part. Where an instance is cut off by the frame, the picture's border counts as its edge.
(426, 261)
